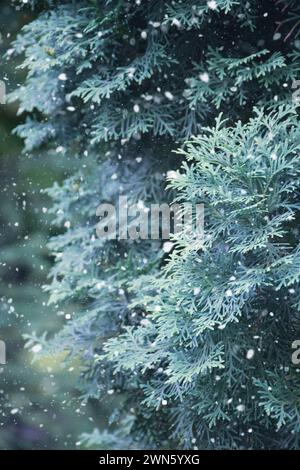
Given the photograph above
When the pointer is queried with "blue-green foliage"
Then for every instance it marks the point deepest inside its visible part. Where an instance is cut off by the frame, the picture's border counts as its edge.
(228, 313)
(120, 85)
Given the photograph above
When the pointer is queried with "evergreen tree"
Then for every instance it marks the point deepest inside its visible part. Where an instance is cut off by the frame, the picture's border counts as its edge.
(37, 401)
(197, 346)
(221, 339)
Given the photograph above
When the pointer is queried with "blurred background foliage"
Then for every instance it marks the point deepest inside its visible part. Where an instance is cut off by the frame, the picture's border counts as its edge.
(39, 407)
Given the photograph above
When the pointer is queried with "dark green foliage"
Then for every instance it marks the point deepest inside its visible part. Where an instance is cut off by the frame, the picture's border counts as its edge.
(119, 85)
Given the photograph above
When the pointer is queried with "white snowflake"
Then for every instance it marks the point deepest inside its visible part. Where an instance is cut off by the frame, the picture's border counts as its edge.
(250, 354)
(212, 4)
(169, 95)
(240, 408)
(204, 77)
(63, 77)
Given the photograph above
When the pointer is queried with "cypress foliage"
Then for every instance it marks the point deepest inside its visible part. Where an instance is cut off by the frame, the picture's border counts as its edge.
(196, 343)
(38, 401)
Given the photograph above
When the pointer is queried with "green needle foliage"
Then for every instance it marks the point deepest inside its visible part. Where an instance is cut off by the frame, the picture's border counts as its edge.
(197, 347)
